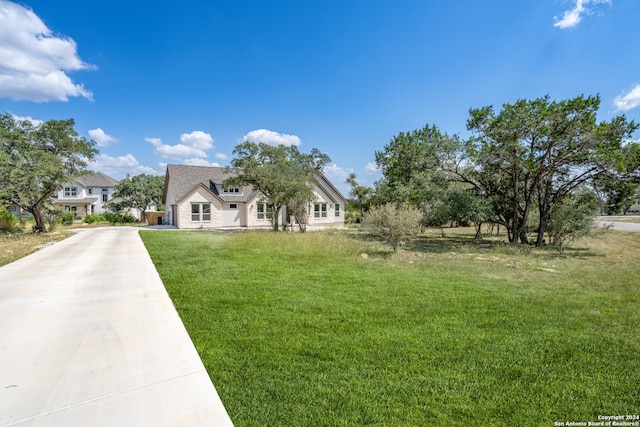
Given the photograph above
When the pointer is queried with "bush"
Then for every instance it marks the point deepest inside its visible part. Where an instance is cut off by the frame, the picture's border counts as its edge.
(67, 218)
(396, 224)
(93, 218)
(52, 217)
(572, 220)
(119, 218)
(8, 222)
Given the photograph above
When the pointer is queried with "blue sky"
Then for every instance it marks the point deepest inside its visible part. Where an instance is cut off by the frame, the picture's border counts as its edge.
(157, 82)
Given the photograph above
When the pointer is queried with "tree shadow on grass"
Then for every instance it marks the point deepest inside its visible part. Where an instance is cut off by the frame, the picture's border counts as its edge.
(467, 243)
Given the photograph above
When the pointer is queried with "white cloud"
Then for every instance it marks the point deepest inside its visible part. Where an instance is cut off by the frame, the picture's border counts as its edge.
(154, 141)
(34, 62)
(272, 138)
(571, 18)
(336, 174)
(221, 156)
(371, 168)
(119, 167)
(628, 101)
(34, 122)
(199, 162)
(179, 151)
(101, 138)
(197, 139)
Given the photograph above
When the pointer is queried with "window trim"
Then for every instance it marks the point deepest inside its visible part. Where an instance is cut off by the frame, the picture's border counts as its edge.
(264, 211)
(70, 191)
(232, 190)
(320, 210)
(202, 213)
(195, 212)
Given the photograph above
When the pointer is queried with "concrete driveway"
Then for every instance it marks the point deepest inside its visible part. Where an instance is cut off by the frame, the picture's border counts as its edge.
(89, 337)
(617, 225)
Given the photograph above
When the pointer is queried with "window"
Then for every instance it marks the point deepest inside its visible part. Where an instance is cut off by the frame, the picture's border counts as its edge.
(197, 208)
(233, 206)
(265, 210)
(105, 195)
(71, 208)
(337, 209)
(90, 191)
(234, 190)
(70, 191)
(320, 210)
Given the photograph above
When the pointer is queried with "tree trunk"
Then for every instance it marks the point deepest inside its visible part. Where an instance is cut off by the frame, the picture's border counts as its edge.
(276, 215)
(544, 209)
(523, 237)
(515, 231)
(41, 227)
(478, 231)
(542, 228)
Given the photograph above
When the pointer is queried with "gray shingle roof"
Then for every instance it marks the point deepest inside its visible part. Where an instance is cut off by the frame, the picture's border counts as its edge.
(183, 179)
(97, 179)
(84, 201)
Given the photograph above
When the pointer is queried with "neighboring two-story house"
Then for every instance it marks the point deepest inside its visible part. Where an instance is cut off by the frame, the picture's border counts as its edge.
(86, 195)
(194, 198)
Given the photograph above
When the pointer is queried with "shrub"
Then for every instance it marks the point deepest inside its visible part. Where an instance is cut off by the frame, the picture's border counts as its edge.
(52, 217)
(67, 218)
(93, 218)
(8, 222)
(396, 224)
(119, 218)
(572, 220)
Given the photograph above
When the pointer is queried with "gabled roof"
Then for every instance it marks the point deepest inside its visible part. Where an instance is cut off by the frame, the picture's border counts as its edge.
(97, 179)
(183, 179)
(322, 181)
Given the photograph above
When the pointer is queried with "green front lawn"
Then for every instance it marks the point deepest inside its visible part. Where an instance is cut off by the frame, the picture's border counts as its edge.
(303, 330)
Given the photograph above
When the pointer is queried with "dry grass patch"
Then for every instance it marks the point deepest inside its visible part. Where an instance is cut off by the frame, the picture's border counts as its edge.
(19, 245)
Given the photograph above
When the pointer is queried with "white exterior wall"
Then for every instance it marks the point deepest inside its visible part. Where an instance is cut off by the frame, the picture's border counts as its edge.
(83, 192)
(168, 207)
(200, 195)
(233, 217)
(252, 216)
(331, 219)
(97, 192)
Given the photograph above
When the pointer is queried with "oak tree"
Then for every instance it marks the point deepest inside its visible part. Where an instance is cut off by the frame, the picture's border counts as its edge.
(36, 159)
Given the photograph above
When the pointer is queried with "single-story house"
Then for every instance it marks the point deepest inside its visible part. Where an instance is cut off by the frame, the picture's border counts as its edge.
(86, 195)
(194, 198)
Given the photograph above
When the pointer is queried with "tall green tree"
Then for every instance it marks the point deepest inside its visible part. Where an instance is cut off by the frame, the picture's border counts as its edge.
(282, 173)
(536, 153)
(36, 159)
(360, 198)
(415, 166)
(138, 192)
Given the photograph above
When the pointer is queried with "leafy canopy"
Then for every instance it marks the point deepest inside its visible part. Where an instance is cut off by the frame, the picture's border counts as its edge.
(37, 158)
(138, 192)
